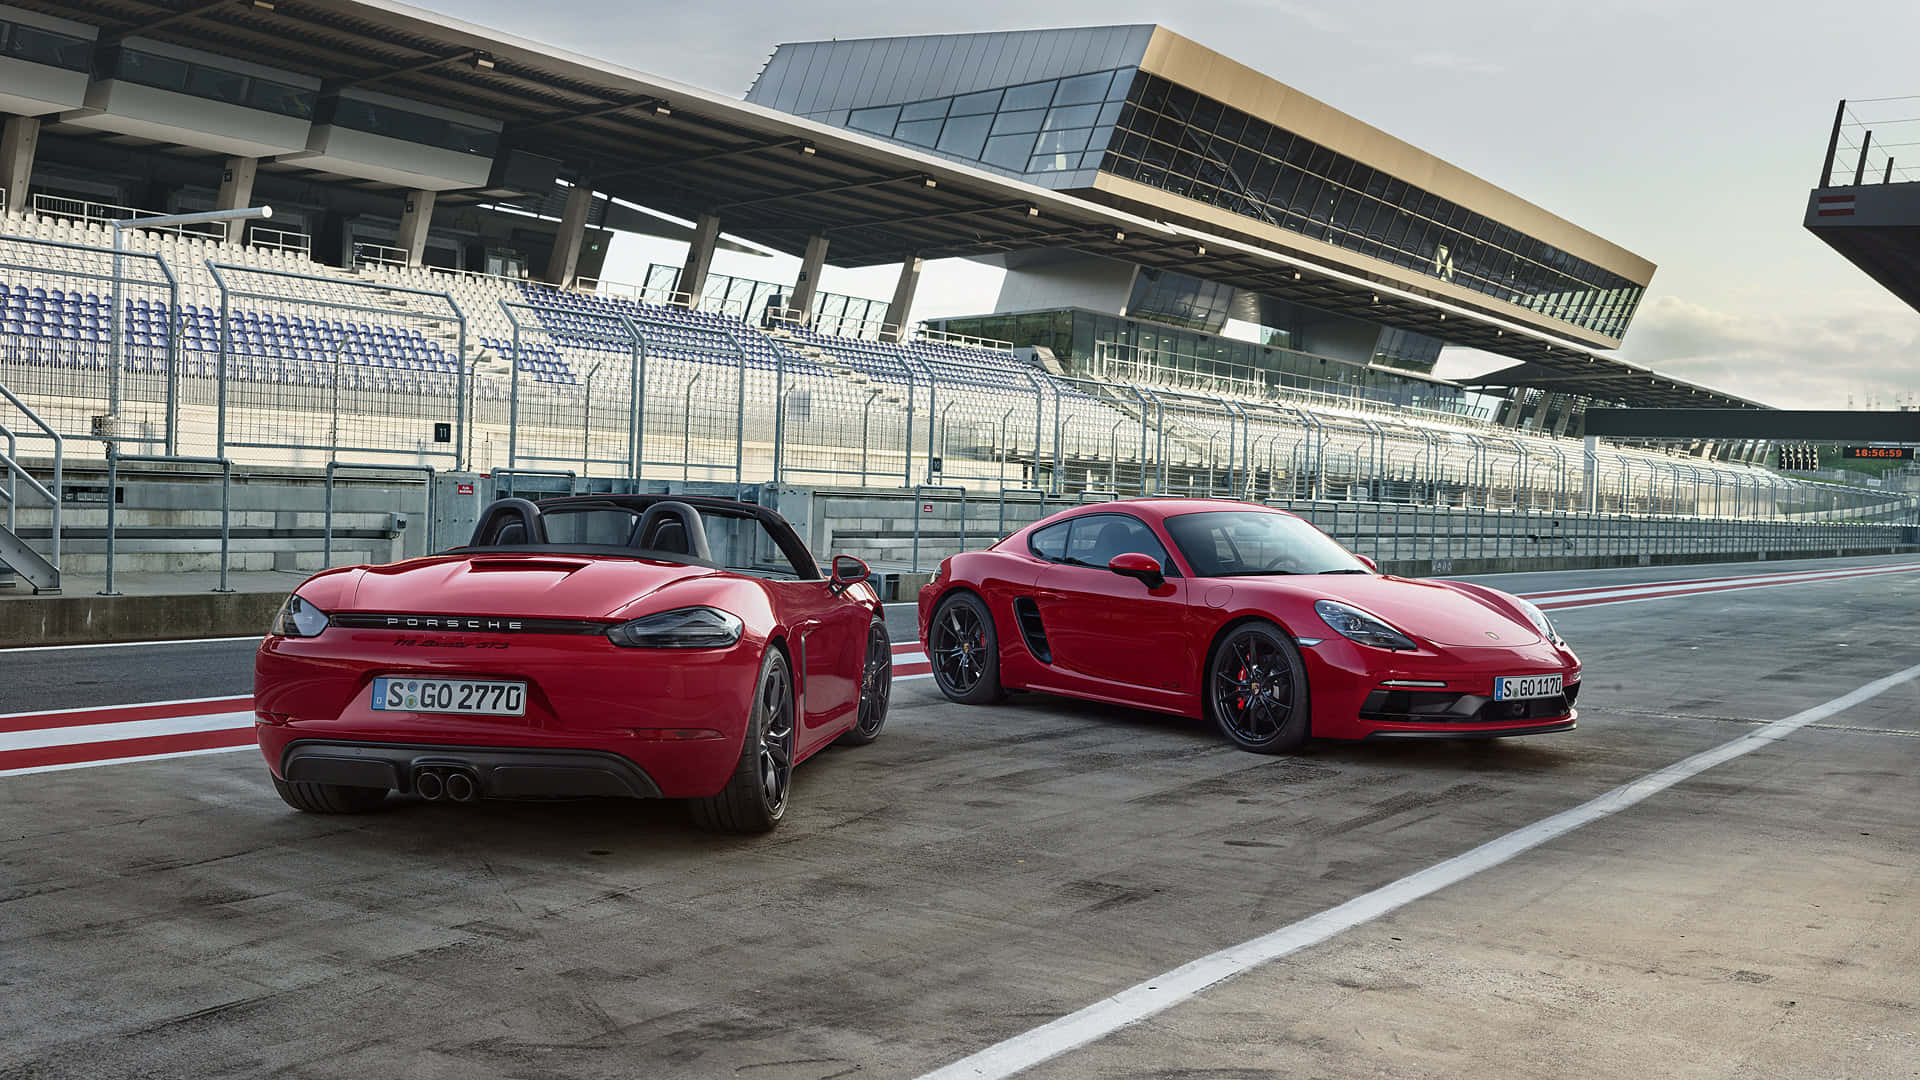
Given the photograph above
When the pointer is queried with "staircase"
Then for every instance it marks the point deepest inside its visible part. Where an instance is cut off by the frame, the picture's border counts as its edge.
(41, 571)
(28, 563)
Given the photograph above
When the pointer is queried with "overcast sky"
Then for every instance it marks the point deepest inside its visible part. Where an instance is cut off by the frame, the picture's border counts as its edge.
(1689, 132)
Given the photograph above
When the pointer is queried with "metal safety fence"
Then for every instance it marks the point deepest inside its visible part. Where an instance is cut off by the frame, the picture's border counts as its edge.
(260, 357)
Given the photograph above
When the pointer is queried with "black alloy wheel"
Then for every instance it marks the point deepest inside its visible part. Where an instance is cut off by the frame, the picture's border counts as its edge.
(964, 650)
(876, 687)
(755, 797)
(1257, 689)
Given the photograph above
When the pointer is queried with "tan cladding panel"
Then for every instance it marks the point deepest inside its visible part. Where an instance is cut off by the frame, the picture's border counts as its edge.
(1200, 69)
(1134, 196)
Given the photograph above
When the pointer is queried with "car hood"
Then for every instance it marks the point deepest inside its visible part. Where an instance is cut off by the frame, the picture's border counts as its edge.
(1433, 610)
(532, 585)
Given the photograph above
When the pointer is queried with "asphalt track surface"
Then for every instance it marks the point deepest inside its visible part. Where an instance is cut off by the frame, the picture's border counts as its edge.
(941, 900)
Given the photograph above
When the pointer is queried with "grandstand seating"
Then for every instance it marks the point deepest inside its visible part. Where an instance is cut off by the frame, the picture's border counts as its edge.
(394, 330)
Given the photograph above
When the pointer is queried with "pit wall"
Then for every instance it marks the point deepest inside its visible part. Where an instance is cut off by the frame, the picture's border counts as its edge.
(169, 516)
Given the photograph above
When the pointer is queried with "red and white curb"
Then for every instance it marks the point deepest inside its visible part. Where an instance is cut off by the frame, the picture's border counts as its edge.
(39, 742)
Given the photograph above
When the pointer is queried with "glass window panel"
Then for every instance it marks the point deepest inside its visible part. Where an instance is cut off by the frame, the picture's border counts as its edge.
(879, 121)
(1009, 123)
(1320, 162)
(285, 100)
(1083, 88)
(45, 47)
(919, 132)
(1030, 96)
(156, 71)
(1092, 159)
(1008, 151)
(1051, 162)
(969, 104)
(1074, 116)
(216, 85)
(1064, 141)
(1110, 113)
(1341, 170)
(925, 110)
(1206, 115)
(965, 135)
(1123, 81)
(1167, 129)
(1232, 123)
(1181, 100)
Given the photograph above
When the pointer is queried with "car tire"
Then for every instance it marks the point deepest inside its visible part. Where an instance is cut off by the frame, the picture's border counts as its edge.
(965, 650)
(876, 687)
(755, 798)
(313, 798)
(1256, 689)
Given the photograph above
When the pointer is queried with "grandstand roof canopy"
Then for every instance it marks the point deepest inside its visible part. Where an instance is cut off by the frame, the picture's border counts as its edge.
(775, 179)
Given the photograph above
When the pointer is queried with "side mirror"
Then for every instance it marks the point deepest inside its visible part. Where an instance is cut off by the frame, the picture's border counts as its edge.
(847, 572)
(1370, 564)
(1144, 568)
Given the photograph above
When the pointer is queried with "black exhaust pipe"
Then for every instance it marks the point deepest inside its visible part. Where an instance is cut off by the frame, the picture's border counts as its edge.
(461, 788)
(428, 785)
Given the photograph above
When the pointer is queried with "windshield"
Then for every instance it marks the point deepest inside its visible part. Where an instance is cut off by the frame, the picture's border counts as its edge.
(1229, 543)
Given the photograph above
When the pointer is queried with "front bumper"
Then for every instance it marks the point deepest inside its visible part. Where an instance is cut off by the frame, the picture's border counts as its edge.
(1354, 696)
(498, 772)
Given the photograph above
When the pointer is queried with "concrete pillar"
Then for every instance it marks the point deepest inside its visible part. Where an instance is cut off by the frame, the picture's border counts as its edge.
(1590, 475)
(415, 218)
(902, 305)
(565, 259)
(1516, 401)
(236, 191)
(1566, 417)
(17, 145)
(1540, 411)
(808, 283)
(693, 276)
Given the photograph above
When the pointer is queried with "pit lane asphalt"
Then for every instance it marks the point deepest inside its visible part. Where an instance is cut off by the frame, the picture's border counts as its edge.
(980, 871)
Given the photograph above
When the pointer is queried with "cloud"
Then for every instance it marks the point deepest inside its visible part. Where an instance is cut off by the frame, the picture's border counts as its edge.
(1457, 63)
(1790, 360)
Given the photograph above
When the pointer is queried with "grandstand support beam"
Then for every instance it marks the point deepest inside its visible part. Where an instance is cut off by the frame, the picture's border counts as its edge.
(1516, 402)
(17, 146)
(236, 186)
(902, 303)
(565, 260)
(1540, 411)
(416, 215)
(693, 276)
(808, 283)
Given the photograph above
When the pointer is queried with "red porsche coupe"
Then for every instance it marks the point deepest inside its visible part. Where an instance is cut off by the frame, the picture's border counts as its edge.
(1244, 614)
(642, 646)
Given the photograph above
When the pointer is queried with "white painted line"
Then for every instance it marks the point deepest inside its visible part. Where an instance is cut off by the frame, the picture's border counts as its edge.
(109, 708)
(1163, 992)
(123, 644)
(125, 760)
(1712, 585)
(125, 729)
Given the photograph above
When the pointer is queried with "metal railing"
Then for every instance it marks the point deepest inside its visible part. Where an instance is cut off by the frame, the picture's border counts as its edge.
(105, 214)
(612, 389)
(378, 255)
(282, 240)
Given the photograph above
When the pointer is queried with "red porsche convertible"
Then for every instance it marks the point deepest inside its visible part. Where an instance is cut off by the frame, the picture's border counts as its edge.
(1244, 614)
(642, 646)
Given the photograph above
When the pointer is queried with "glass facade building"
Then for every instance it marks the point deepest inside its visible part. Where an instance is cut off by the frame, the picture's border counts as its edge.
(1170, 138)
(1138, 126)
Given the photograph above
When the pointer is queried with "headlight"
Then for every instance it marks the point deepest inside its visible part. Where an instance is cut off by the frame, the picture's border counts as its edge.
(1539, 620)
(1356, 625)
(681, 628)
(297, 618)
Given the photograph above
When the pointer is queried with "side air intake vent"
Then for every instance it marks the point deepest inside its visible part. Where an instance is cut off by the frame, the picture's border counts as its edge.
(1028, 612)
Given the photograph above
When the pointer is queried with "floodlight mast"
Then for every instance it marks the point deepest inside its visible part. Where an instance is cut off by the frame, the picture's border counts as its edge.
(118, 349)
